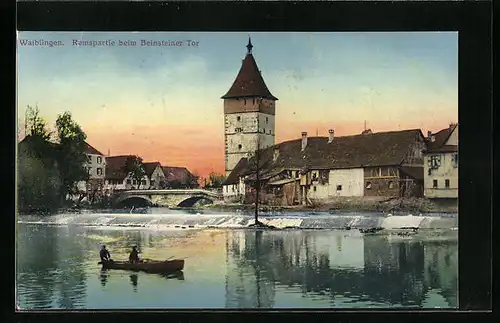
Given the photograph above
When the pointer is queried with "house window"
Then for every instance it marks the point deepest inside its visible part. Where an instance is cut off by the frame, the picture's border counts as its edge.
(391, 184)
(269, 131)
(434, 183)
(239, 146)
(263, 130)
(455, 160)
(89, 170)
(89, 159)
(339, 187)
(267, 120)
(134, 182)
(152, 182)
(99, 160)
(368, 185)
(129, 181)
(238, 118)
(434, 161)
(143, 182)
(239, 129)
(314, 188)
(99, 171)
(447, 183)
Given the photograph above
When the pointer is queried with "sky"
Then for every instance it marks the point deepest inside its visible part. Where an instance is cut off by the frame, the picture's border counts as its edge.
(163, 102)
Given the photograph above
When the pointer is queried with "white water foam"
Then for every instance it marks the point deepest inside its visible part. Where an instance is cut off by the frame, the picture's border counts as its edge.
(168, 221)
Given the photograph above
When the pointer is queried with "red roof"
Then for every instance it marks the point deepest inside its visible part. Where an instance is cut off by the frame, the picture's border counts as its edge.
(91, 150)
(355, 151)
(440, 138)
(181, 174)
(115, 167)
(249, 81)
(150, 168)
(237, 171)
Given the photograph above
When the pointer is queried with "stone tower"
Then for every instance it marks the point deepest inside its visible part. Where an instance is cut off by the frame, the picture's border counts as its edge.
(249, 111)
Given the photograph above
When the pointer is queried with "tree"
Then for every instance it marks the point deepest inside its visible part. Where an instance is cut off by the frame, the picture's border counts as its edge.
(255, 166)
(71, 155)
(134, 168)
(38, 183)
(215, 180)
(38, 177)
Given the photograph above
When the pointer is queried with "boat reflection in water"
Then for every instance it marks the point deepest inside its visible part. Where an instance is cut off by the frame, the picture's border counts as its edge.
(133, 281)
(179, 275)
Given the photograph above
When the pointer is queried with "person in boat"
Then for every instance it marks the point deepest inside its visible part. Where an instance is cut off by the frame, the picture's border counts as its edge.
(134, 255)
(104, 254)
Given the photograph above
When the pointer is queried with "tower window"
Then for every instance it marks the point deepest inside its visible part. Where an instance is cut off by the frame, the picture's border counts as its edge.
(238, 118)
(239, 146)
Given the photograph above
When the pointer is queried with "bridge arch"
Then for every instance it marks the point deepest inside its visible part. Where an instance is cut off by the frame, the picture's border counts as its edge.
(134, 200)
(190, 201)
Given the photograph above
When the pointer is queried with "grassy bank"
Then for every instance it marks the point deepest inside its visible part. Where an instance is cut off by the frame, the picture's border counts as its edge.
(366, 204)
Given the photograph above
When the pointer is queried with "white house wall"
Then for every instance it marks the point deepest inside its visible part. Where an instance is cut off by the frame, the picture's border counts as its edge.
(157, 176)
(92, 169)
(453, 139)
(447, 171)
(233, 190)
(352, 181)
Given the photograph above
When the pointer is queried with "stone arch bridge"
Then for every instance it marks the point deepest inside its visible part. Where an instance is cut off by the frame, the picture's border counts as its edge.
(168, 197)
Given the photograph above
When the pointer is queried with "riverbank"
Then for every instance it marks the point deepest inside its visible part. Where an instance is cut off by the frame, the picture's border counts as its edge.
(354, 204)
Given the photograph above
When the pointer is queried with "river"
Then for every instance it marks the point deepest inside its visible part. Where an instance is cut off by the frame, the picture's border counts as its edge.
(325, 262)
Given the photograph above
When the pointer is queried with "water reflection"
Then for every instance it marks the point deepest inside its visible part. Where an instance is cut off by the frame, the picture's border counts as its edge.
(103, 277)
(133, 281)
(54, 272)
(179, 275)
(263, 269)
(384, 272)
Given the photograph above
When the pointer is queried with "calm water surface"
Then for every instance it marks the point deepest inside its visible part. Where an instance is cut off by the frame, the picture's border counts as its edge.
(230, 268)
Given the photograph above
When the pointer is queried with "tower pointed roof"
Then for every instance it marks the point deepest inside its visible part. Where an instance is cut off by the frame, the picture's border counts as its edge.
(249, 81)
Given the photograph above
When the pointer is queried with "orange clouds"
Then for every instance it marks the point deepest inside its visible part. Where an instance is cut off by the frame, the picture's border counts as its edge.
(200, 147)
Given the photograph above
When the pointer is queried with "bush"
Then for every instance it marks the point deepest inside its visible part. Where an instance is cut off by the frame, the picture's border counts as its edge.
(38, 185)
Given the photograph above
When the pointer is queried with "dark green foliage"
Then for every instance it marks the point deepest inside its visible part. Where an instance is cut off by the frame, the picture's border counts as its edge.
(70, 154)
(48, 171)
(38, 184)
(135, 169)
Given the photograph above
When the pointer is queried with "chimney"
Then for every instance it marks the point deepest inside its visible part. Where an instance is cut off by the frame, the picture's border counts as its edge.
(304, 140)
(276, 153)
(331, 134)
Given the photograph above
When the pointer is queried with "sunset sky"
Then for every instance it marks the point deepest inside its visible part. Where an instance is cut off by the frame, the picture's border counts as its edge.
(163, 103)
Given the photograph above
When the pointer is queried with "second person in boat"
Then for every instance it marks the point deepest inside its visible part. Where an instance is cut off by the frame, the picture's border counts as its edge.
(134, 255)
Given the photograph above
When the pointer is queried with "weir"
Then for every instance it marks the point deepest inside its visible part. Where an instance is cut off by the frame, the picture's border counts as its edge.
(182, 219)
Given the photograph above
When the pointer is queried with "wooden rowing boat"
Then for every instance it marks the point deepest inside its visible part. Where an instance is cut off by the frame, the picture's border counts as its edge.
(150, 266)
